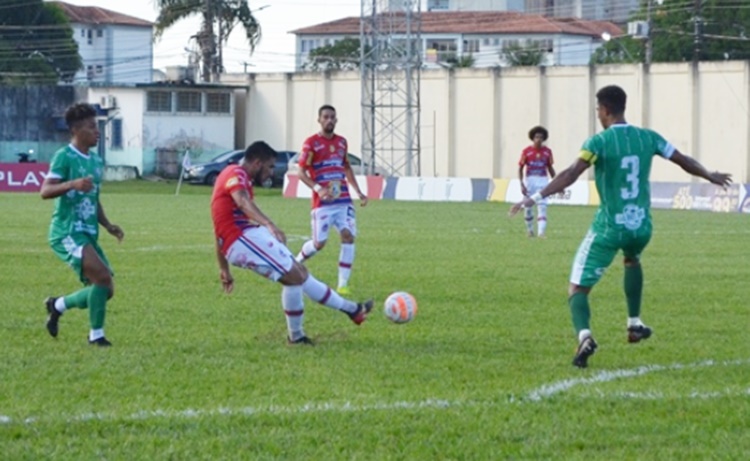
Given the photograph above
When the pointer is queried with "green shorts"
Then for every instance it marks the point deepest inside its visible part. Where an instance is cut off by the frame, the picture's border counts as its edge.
(70, 250)
(598, 250)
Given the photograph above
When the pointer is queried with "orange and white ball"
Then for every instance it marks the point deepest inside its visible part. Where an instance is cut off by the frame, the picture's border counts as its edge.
(400, 307)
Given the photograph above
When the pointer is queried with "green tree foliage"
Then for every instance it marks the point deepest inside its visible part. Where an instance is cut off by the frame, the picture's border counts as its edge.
(463, 61)
(724, 33)
(220, 17)
(36, 44)
(342, 55)
(529, 54)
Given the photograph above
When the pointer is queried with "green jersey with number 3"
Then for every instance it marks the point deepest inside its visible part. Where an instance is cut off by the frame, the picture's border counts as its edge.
(622, 156)
(76, 211)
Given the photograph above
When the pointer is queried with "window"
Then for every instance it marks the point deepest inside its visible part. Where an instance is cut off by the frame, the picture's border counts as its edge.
(471, 46)
(159, 101)
(99, 33)
(89, 35)
(218, 103)
(89, 72)
(99, 69)
(188, 101)
(83, 33)
(117, 133)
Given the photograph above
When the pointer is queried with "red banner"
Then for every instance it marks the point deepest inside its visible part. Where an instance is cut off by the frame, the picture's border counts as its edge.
(22, 177)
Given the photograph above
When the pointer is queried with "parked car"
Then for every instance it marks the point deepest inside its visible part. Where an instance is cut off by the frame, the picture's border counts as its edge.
(358, 166)
(206, 173)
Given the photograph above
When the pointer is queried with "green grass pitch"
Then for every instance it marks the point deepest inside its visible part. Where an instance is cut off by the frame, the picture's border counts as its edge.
(482, 373)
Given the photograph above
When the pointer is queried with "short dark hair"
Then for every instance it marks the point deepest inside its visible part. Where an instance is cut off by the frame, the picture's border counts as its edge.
(613, 98)
(325, 107)
(77, 113)
(538, 129)
(259, 150)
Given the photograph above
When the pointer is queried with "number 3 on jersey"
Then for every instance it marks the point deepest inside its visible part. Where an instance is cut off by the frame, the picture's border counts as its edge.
(631, 164)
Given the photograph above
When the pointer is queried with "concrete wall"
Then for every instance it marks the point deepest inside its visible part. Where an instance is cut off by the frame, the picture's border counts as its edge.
(474, 122)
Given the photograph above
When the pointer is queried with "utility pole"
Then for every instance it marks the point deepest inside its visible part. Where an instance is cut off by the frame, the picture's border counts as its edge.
(697, 23)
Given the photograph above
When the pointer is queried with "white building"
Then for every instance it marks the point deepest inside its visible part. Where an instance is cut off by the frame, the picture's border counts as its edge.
(114, 47)
(485, 35)
(618, 11)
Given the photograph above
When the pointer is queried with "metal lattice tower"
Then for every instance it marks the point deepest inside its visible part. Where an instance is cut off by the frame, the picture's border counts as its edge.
(391, 59)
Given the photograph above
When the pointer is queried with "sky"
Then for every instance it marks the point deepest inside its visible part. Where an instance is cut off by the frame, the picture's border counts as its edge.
(274, 53)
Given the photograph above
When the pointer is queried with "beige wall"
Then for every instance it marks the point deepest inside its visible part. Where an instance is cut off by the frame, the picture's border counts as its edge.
(474, 122)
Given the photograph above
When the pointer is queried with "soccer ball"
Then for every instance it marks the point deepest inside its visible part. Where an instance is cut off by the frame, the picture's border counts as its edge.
(400, 307)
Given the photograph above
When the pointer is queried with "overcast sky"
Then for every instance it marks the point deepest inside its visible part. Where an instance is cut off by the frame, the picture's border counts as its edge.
(275, 53)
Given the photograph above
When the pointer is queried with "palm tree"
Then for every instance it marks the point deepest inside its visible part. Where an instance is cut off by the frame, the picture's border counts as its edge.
(223, 15)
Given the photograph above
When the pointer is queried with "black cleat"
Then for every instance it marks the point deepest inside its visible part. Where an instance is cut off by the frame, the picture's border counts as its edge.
(101, 342)
(360, 315)
(53, 316)
(586, 349)
(302, 340)
(637, 333)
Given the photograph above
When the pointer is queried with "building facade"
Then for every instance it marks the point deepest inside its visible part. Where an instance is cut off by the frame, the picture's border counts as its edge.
(115, 48)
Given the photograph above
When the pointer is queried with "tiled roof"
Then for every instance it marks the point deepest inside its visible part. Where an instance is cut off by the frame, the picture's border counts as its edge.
(96, 15)
(477, 22)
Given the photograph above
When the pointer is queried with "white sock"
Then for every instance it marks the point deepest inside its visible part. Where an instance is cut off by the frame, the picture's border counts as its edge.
(96, 334)
(634, 322)
(583, 334)
(541, 225)
(529, 218)
(323, 294)
(60, 304)
(294, 310)
(308, 251)
(346, 259)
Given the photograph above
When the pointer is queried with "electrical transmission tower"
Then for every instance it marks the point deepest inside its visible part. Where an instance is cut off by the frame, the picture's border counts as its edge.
(391, 59)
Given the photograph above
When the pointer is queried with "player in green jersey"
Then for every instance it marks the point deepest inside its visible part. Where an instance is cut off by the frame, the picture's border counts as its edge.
(621, 156)
(74, 179)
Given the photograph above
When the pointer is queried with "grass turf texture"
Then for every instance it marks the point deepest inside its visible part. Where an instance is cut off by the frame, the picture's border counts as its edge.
(196, 374)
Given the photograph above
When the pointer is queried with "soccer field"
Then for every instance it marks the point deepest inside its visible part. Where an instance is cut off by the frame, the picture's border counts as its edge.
(482, 373)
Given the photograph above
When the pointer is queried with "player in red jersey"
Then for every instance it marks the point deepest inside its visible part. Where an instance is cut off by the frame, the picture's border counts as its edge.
(537, 160)
(325, 169)
(247, 238)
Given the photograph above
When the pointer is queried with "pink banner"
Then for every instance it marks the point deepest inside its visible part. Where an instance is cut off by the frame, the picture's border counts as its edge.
(22, 177)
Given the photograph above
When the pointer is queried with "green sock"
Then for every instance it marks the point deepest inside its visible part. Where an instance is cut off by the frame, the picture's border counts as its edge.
(579, 310)
(78, 299)
(633, 284)
(97, 306)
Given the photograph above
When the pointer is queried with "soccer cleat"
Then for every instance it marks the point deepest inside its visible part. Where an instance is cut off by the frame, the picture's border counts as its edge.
(586, 349)
(360, 315)
(53, 316)
(344, 291)
(530, 234)
(638, 332)
(542, 236)
(303, 340)
(101, 342)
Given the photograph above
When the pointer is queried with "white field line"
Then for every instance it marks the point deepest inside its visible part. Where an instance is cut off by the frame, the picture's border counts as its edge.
(539, 394)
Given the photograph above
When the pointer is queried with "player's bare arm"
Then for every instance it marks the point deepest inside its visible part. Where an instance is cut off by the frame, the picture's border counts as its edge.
(565, 179)
(694, 167)
(524, 191)
(323, 192)
(54, 187)
(113, 229)
(551, 171)
(227, 281)
(352, 180)
(247, 205)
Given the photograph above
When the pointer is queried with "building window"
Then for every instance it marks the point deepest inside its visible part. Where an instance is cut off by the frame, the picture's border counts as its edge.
(159, 101)
(83, 33)
(471, 46)
(99, 33)
(89, 72)
(218, 103)
(89, 35)
(441, 50)
(117, 133)
(99, 69)
(188, 101)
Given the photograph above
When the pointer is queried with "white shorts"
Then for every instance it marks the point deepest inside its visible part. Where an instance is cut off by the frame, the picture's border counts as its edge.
(535, 184)
(258, 250)
(339, 216)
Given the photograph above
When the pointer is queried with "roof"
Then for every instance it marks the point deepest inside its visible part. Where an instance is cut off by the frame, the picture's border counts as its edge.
(476, 22)
(96, 15)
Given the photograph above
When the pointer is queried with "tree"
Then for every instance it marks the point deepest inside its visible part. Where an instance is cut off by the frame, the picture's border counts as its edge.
(463, 61)
(220, 17)
(530, 54)
(723, 33)
(36, 44)
(342, 55)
